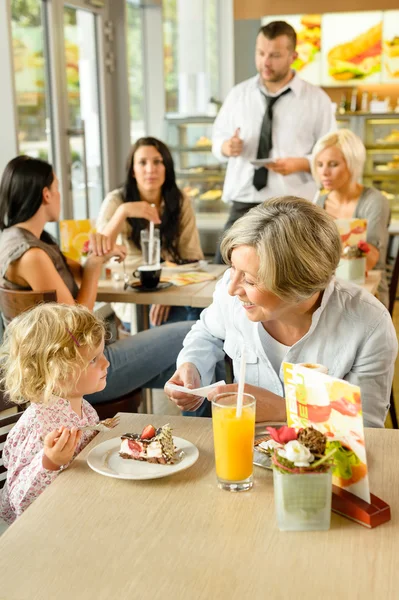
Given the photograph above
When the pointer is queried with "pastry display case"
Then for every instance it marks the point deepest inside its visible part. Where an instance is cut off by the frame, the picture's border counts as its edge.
(381, 138)
(199, 174)
(380, 135)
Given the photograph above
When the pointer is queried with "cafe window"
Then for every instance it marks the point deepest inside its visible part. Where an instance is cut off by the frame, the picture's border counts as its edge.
(136, 70)
(191, 54)
(28, 22)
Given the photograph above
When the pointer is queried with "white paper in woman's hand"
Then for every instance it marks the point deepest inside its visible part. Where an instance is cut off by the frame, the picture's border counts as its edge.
(203, 391)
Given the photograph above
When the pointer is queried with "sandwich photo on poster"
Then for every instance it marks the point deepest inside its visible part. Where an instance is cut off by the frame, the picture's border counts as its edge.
(390, 47)
(308, 31)
(351, 48)
(334, 407)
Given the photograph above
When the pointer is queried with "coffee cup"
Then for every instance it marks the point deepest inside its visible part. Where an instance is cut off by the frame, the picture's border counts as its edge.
(315, 367)
(149, 275)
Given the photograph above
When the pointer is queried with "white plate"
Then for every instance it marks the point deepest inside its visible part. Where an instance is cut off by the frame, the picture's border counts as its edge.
(105, 459)
(261, 459)
(261, 162)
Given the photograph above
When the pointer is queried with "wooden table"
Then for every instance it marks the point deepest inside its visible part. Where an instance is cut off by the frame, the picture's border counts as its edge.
(112, 291)
(93, 537)
(372, 282)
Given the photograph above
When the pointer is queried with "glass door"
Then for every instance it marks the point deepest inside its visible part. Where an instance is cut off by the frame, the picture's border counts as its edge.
(31, 78)
(81, 64)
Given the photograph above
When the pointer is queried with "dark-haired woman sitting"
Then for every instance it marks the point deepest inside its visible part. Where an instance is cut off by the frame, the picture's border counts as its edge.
(150, 193)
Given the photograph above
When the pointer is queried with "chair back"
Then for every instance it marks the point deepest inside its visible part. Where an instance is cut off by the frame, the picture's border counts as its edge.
(6, 424)
(393, 278)
(14, 302)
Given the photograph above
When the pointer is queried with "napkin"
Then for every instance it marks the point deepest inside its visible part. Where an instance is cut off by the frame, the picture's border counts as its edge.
(202, 391)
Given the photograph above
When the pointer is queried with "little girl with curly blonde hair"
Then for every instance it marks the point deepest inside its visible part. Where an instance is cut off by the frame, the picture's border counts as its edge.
(52, 356)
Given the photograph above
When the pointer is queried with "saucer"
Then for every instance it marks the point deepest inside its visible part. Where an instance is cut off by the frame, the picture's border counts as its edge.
(137, 287)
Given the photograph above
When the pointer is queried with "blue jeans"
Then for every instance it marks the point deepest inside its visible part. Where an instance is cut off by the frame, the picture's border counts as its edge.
(144, 360)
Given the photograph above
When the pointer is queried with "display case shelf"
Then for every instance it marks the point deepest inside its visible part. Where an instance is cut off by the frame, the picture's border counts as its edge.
(190, 149)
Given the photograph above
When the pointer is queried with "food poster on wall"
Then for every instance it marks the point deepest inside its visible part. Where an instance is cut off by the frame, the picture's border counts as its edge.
(351, 48)
(308, 31)
(390, 45)
(332, 406)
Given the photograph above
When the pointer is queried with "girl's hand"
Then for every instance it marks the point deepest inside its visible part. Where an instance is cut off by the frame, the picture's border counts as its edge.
(159, 314)
(59, 447)
(141, 210)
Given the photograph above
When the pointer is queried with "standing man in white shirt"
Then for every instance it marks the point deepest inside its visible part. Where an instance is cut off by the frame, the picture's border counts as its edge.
(274, 115)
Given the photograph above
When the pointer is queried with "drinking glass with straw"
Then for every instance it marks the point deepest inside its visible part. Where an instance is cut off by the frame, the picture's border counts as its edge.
(151, 242)
(233, 418)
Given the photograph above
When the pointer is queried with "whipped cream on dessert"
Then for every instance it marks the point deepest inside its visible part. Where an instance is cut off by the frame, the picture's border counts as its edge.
(152, 445)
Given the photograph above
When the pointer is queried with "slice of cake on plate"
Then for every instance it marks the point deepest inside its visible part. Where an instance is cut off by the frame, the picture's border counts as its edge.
(152, 445)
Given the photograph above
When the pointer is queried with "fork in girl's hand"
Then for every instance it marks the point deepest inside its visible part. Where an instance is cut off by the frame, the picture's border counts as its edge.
(102, 425)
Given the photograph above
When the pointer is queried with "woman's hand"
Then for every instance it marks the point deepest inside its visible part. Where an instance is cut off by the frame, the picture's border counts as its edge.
(59, 447)
(269, 406)
(159, 314)
(141, 210)
(102, 249)
(188, 376)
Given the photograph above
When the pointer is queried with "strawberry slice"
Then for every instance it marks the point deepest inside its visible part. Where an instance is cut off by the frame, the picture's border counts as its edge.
(148, 432)
(135, 448)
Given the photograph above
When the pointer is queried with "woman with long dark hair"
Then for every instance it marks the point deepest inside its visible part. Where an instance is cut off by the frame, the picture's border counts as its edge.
(150, 193)
(30, 259)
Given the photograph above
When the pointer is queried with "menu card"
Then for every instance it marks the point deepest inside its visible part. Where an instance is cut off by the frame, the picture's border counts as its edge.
(352, 231)
(181, 279)
(332, 406)
(73, 234)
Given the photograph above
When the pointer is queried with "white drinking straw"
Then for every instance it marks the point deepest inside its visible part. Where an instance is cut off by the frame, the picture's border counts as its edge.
(241, 383)
(151, 242)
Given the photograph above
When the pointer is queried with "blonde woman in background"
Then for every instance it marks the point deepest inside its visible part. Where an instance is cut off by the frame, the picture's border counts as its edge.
(337, 165)
(150, 193)
(281, 302)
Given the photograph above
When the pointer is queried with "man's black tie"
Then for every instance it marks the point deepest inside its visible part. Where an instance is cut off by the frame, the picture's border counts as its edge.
(265, 140)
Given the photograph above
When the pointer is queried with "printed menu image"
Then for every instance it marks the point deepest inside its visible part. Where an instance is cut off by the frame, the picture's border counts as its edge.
(73, 236)
(390, 63)
(308, 31)
(352, 231)
(351, 48)
(332, 406)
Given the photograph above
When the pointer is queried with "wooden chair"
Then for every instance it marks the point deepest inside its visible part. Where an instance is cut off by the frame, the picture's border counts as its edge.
(6, 424)
(393, 278)
(14, 302)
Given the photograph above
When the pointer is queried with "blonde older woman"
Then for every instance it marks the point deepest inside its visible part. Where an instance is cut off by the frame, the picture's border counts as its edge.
(281, 302)
(337, 165)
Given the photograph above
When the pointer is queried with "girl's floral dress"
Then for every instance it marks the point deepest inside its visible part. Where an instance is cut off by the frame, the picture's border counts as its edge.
(23, 452)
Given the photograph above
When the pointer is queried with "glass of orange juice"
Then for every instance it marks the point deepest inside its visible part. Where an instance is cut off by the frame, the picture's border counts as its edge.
(233, 439)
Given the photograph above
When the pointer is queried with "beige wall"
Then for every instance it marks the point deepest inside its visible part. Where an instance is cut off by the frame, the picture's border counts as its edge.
(255, 9)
